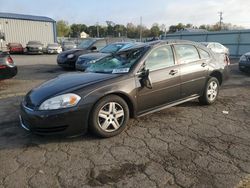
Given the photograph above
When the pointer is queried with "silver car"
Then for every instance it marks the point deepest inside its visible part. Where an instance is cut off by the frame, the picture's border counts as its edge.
(54, 48)
(68, 45)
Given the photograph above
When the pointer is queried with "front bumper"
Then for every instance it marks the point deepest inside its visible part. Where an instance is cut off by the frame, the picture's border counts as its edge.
(7, 72)
(244, 66)
(66, 63)
(66, 122)
(81, 66)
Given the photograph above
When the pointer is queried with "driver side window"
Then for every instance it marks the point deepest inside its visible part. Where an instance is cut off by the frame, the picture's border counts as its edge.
(160, 58)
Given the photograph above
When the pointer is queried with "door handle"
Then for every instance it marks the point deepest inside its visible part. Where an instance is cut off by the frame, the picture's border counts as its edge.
(203, 64)
(173, 72)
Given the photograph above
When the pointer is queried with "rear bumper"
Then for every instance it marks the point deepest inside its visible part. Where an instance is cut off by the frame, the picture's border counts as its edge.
(65, 122)
(7, 72)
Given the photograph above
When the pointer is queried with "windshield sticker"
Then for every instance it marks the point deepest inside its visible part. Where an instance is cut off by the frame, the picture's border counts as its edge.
(121, 70)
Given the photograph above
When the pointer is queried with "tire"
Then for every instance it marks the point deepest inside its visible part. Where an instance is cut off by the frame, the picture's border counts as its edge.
(109, 116)
(211, 92)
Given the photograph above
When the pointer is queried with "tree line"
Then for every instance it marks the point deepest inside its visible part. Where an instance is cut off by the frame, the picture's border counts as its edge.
(131, 30)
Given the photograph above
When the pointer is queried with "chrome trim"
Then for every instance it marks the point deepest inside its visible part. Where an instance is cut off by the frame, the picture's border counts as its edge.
(22, 125)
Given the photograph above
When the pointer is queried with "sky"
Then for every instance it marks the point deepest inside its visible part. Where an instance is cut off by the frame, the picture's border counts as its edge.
(166, 12)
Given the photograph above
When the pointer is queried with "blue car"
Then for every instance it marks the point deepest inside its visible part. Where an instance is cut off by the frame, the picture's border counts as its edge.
(244, 63)
(84, 61)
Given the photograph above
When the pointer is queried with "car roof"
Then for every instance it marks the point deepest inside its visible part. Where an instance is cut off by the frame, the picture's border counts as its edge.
(162, 42)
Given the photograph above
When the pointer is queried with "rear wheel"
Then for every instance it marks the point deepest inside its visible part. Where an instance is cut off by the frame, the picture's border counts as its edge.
(109, 116)
(211, 92)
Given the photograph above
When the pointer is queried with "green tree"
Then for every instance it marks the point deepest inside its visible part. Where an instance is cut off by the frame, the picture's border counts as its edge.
(62, 28)
(155, 30)
(76, 29)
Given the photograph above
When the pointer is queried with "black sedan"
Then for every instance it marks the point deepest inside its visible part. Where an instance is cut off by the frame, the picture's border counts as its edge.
(244, 63)
(68, 58)
(84, 61)
(8, 68)
(137, 81)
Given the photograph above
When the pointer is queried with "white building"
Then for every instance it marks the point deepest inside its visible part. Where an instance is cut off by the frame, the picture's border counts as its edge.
(23, 28)
(84, 35)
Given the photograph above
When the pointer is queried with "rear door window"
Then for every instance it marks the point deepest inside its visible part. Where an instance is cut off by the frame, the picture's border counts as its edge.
(186, 53)
(204, 54)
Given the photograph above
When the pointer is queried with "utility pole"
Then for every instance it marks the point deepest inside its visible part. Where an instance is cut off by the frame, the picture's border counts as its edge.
(97, 29)
(221, 18)
(141, 29)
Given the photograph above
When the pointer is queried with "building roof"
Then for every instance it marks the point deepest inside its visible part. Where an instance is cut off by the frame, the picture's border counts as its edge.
(25, 17)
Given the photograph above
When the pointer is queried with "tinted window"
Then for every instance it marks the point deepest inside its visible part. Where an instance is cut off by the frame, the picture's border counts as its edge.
(112, 48)
(204, 54)
(100, 44)
(160, 58)
(186, 53)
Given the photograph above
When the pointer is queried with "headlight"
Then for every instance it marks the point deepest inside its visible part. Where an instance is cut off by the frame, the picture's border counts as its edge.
(91, 62)
(243, 58)
(61, 101)
(70, 56)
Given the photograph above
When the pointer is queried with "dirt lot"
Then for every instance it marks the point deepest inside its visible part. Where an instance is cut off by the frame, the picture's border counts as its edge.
(184, 146)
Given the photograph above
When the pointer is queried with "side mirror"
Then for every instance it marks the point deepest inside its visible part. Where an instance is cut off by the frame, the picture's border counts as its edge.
(145, 79)
(93, 48)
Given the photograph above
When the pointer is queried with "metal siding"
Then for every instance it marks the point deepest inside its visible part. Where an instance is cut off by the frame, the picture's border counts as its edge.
(23, 31)
(238, 42)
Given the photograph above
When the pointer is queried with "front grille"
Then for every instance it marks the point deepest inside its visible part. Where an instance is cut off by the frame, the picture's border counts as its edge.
(50, 129)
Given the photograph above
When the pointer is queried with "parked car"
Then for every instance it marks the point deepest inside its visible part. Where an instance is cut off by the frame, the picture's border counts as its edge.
(136, 81)
(84, 61)
(54, 48)
(8, 68)
(15, 48)
(68, 58)
(68, 45)
(34, 47)
(216, 47)
(244, 63)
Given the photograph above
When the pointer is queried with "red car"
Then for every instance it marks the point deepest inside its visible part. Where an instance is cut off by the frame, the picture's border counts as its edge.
(15, 48)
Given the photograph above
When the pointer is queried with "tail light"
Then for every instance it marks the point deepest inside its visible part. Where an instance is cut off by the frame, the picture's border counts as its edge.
(227, 60)
(10, 61)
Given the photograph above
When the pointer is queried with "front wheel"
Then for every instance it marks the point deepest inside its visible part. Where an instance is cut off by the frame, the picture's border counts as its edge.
(109, 116)
(211, 92)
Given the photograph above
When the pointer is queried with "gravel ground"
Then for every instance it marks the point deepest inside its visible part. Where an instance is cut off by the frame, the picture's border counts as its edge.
(184, 146)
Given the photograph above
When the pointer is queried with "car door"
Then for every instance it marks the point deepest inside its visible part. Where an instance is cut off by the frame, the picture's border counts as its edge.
(165, 78)
(193, 69)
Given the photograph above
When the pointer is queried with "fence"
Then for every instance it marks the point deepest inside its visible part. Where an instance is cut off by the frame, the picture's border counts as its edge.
(238, 42)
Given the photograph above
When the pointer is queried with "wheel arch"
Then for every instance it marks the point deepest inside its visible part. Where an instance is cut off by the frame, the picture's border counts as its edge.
(217, 75)
(125, 97)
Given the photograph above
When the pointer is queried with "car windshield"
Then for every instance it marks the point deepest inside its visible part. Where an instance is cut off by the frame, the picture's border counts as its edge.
(34, 43)
(118, 64)
(52, 45)
(112, 48)
(68, 43)
(86, 43)
(15, 44)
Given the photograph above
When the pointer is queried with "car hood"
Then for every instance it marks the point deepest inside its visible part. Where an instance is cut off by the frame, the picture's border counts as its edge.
(94, 56)
(65, 83)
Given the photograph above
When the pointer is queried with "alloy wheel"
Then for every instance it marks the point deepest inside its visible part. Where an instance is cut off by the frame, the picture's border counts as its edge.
(212, 90)
(111, 117)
